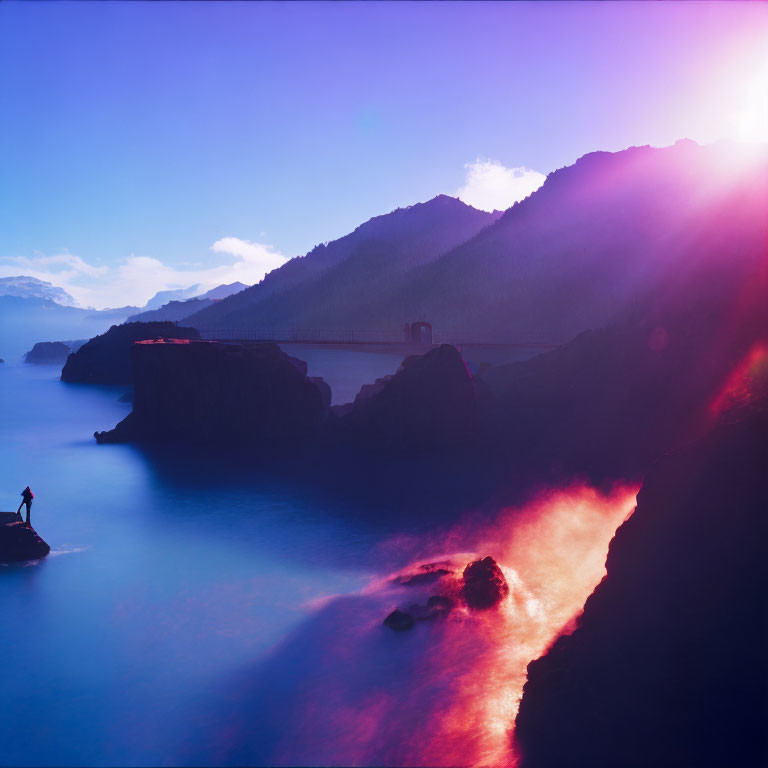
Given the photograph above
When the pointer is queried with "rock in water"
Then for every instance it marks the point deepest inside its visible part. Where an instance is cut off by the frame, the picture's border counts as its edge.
(399, 620)
(216, 394)
(48, 353)
(484, 584)
(17, 542)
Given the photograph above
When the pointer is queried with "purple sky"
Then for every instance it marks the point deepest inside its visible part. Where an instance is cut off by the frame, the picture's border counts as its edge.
(147, 146)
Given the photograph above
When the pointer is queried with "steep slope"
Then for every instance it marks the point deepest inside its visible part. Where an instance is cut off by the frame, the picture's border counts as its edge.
(172, 311)
(178, 309)
(222, 291)
(161, 298)
(599, 236)
(668, 666)
(611, 401)
(337, 283)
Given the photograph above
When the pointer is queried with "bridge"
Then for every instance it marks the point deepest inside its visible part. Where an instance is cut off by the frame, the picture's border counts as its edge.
(417, 333)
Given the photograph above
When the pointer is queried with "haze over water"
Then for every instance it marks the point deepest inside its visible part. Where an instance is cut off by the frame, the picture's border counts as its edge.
(157, 584)
(204, 613)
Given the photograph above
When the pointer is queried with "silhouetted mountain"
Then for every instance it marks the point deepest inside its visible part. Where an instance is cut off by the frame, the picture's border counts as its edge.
(427, 406)
(339, 284)
(27, 287)
(177, 294)
(173, 311)
(667, 665)
(597, 237)
(223, 291)
(178, 310)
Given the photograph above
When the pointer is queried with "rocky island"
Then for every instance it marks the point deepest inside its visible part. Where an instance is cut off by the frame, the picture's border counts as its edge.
(250, 395)
(48, 353)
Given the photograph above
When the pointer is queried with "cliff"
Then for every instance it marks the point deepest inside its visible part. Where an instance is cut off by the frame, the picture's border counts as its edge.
(48, 353)
(253, 396)
(668, 665)
(428, 405)
(106, 359)
(17, 542)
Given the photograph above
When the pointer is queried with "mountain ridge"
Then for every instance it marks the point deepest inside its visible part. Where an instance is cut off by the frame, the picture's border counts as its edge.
(599, 236)
(417, 233)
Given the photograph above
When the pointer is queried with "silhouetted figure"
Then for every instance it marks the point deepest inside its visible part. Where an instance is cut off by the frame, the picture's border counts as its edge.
(26, 498)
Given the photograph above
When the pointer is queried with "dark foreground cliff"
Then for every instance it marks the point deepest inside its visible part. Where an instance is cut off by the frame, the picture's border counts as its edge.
(106, 359)
(17, 542)
(213, 393)
(668, 665)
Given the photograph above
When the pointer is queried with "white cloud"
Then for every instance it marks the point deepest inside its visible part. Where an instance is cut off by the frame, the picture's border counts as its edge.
(136, 279)
(490, 186)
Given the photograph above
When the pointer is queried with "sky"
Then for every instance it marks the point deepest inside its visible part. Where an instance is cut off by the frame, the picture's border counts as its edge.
(148, 146)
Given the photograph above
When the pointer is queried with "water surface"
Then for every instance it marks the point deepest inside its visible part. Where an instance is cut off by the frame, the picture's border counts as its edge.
(161, 580)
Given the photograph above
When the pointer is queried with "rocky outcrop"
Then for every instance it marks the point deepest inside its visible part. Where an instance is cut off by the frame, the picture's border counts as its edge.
(437, 606)
(428, 405)
(399, 621)
(484, 584)
(48, 353)
(213, 393)
(17, 542)
(668, 665)
(106, 359)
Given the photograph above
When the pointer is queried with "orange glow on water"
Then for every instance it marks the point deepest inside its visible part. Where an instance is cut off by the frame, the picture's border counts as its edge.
(552, 554)
(446, 692)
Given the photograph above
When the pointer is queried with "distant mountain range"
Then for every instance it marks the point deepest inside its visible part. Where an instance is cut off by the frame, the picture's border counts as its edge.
(26, 287)
(182, 304)
(26, 321)
(32, 310)
(595, 240)
(604, 237)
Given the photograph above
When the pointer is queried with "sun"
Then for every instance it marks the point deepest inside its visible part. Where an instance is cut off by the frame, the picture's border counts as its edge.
(751, 122)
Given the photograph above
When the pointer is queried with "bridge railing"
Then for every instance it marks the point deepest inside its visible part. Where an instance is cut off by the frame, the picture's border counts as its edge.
(307, 335)
(360, 336)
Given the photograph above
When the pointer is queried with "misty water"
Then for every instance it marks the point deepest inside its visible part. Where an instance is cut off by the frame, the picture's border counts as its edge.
(163, 579)
(204, 611)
